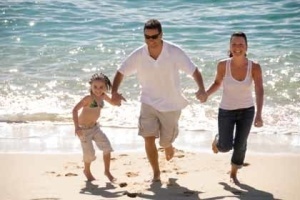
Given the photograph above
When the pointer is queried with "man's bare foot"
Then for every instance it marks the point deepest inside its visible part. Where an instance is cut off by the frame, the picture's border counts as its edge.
(169, 151)
(88, 175)
(214, 146)
(156, 177)
(110, 177)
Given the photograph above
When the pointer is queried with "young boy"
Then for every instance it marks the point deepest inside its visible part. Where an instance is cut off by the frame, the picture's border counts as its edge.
(87, 127)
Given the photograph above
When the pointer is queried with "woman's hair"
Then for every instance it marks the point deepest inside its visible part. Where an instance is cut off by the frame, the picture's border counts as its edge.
(102, 77)
(238, 34)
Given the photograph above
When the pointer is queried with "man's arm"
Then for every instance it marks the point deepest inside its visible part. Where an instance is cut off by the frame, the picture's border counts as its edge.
(201, 94)
(116, 97)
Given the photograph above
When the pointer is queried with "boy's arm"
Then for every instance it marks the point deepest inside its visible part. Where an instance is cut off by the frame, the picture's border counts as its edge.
(75, 110)
(107, 98)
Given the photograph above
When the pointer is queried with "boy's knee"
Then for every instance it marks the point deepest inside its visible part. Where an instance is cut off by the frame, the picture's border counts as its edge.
(89, 158)
(165, 144)
(107, 152)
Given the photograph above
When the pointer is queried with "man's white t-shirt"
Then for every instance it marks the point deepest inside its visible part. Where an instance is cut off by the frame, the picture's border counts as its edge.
(160, 78)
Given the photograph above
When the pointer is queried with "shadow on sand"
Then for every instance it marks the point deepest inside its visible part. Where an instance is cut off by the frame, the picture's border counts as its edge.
(244, 192)
(92, 189)
(173, 191)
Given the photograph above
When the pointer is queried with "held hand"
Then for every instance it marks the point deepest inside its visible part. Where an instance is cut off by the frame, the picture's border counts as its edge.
(117, 98)
(258, 122)
(201, 95)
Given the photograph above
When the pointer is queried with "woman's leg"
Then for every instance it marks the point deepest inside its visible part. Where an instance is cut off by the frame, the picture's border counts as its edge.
(226, 122)
(243, 127)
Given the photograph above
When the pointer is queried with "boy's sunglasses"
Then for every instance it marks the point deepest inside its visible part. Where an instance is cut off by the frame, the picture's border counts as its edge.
(154, 37)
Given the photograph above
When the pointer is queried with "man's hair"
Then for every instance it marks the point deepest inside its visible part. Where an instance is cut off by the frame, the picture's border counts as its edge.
(153, 24)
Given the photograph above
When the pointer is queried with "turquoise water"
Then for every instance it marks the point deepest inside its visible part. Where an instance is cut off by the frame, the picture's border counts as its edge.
(49, 49)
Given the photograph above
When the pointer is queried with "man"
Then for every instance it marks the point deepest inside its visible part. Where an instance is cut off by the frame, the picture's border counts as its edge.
(157, 65)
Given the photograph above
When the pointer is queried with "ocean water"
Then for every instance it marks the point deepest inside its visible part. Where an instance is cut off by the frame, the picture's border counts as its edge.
(49, 50)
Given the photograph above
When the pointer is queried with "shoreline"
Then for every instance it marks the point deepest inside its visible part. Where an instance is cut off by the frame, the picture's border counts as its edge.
(53, 138)
(189, 176)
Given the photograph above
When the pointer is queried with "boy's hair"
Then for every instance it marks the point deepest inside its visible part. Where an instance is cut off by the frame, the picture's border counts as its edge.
(238, 34)
(153, 24)
(103, 77)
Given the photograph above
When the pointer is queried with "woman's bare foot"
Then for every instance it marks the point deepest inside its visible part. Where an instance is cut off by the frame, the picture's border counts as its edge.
(110, 177)
(233, 175)
(234, 179)
(169, 151)
(88, 175)
(214, 146)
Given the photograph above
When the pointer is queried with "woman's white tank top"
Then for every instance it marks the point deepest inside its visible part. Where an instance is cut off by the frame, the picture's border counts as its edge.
(237, 94)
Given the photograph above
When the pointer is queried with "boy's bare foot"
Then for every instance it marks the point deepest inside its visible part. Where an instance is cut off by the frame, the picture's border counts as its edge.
(214, 146)
(110, 177)
(169, 151)
(88, 175)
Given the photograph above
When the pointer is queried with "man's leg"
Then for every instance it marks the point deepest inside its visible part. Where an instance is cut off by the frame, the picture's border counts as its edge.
(168, 131)
(152, 155)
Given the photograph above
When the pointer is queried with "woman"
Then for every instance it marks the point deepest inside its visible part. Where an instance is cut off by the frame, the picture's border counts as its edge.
(236, 111)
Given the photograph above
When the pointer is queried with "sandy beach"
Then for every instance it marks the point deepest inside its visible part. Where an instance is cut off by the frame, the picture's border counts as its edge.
(188, 176)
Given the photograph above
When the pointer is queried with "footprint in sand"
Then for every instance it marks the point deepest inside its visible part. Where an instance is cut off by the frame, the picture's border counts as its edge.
(53, 173)
(179, 156)
(71, 174)
(123, 184)
(166, 171)
(131, 174)
(72, 165)
(184, 172)
(50, 172)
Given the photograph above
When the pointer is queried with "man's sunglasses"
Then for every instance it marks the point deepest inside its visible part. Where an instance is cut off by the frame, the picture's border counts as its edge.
(154, 37)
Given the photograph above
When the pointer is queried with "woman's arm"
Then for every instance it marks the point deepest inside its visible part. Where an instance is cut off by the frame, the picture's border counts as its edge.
(218, 79)
(259, 93)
